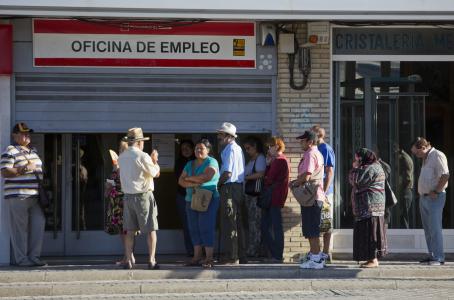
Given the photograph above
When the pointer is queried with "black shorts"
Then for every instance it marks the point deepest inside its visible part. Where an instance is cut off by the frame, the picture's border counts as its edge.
(311, 219)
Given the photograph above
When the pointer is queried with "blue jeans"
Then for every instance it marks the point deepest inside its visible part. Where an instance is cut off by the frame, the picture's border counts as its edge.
(431, 217)
(202, 225)
(181, 207)
(272, 221)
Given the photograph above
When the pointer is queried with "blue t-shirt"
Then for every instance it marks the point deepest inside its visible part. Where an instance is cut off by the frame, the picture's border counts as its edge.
(211, 185)
(329, 160)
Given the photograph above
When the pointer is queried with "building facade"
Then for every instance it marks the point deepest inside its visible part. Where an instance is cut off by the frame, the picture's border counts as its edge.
(369, 83)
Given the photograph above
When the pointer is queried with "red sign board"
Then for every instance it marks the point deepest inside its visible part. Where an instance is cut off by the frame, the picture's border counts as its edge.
(6, 49)
(79, 43)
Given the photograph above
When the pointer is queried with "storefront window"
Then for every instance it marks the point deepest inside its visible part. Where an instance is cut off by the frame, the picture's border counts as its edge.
(385, 106)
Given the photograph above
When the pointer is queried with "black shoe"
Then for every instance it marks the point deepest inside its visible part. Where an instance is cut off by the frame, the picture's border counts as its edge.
(426, 260)
(153, 266)
(243, 261)
(38, 262)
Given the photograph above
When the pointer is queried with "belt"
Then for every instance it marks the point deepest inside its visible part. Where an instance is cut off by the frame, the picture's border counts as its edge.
(136, 194)
(425, 195)
(233, 183)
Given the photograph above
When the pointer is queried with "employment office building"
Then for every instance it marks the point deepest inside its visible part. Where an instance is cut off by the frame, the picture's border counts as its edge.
(375, 75)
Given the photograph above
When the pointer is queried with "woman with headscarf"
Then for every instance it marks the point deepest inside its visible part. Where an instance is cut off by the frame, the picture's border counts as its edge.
(368, 204)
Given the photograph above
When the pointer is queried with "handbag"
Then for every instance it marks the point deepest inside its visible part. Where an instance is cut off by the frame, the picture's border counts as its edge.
(306, 193)
(44, 200)
(265, 197)
(201, 199)
(326, 217)
(253, 187)
(390, 197)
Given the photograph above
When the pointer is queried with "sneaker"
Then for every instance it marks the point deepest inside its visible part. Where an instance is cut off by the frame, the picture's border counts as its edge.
(310, 264)
(38, 262)
(326, 257)
(435, 263)
(305, 257)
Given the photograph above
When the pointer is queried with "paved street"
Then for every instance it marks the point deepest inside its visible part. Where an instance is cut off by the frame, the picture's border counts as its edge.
(414, 294)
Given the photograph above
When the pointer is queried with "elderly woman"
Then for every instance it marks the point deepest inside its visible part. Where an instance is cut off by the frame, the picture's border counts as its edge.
(114, 199)
(203, 173)
(368, 203)
(276, 177)
(255, 170)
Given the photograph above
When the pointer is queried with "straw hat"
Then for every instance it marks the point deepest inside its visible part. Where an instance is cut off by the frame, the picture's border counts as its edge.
(228, 128)
(134, 135)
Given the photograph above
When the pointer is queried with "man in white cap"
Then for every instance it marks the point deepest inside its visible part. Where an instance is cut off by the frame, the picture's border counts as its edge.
(232, 199)
(137, 170)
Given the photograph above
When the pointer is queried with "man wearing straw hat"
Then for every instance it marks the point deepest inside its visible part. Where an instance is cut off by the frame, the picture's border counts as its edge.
(137, 170)
(231, 190)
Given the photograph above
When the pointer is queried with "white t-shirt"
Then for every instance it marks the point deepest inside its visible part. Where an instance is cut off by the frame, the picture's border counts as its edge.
(432, 168)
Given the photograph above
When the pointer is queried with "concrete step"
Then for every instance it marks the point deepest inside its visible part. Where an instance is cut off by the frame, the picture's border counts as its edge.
(66, 280)
(182, 286)
(339, 270)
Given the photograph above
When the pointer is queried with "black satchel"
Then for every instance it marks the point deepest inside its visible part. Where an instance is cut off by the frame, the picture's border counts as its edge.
(390, 198)
(44, 200)
(253, 187)
(265, 197)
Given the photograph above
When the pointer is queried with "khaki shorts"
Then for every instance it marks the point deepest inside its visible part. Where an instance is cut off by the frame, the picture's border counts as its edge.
(140, 212)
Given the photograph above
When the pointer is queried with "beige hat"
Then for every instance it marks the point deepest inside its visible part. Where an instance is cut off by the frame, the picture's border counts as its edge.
(134, 135)
(228, 128)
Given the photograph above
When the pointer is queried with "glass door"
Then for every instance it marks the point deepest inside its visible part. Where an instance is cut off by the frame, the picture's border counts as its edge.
(384, 114)
(49, 147)
(88, 166)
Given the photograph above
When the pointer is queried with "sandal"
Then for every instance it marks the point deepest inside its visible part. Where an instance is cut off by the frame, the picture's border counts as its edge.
(368, 265)
(208, 264)
(193, 263)
(153, 266)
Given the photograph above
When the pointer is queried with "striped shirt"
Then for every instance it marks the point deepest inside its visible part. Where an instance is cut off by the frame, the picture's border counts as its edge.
(25, 184)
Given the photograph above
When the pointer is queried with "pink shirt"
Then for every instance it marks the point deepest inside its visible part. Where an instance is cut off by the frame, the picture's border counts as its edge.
(312, 160)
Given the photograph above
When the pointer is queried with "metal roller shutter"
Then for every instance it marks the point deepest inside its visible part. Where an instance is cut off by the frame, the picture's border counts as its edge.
(157, 103)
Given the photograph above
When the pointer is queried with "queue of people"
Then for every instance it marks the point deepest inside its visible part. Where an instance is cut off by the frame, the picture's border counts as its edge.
(249, 198)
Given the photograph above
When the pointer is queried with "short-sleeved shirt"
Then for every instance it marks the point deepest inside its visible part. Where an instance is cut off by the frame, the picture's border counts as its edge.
(329, 160)
(24, 185)
(137, 171)
(260, 165)
(211, 185)
(233, 162)
(433, 167)
(312, 161)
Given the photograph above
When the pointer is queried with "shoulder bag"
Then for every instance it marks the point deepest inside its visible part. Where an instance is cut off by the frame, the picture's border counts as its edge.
(44, 201)
(253, 187)
(390, 198)
(201, 198)
(265, 197)
(306, 193)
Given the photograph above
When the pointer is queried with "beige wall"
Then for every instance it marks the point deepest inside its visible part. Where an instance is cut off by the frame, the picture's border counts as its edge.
(297, 111)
